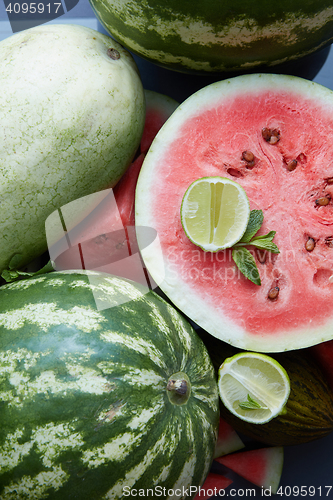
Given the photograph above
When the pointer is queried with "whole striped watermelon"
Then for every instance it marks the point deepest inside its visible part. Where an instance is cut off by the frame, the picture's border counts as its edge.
(100, 403)
(214, 36)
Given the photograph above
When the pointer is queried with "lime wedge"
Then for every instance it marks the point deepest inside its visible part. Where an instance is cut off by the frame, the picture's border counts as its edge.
(214, 213)
(253, 386)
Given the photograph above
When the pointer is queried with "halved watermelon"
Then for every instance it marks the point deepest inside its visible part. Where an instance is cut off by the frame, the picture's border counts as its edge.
(291, 180)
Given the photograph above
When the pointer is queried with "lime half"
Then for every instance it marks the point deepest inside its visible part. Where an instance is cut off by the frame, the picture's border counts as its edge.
(214, 213)
(253, 386)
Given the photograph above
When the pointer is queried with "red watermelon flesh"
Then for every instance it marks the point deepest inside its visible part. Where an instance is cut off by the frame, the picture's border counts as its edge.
(228, 440)
(262, 467)
(212, 485)
(323, 353)
(158, 109)
(106, 237)
(207, 136)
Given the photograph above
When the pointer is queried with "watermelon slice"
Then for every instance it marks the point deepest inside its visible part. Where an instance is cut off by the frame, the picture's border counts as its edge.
(106, 239)
(228, 440)
(290, 179)
(212, 485)
(262, 467)
(323, 353)
(158, 109)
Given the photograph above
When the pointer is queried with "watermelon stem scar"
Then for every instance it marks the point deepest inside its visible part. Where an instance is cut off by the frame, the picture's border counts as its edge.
(179, 388)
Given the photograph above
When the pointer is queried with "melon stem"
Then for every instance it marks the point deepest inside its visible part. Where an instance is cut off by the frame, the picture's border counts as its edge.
(178, 388)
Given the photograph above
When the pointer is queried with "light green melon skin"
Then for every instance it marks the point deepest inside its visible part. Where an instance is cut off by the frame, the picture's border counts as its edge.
(216, 36)
(71, 121)
(84, 408)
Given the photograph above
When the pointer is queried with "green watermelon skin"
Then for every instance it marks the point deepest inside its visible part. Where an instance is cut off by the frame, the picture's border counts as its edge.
(85, 411)
(215, 36)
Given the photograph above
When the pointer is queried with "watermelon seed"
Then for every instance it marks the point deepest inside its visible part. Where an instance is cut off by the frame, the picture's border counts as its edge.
(329, 241)
(291, 165)
(271, 135)
(273, 293)
(301, 157)
(248, 156)
(323, 201)
(113, 53)
(234, 172)
(329, 180)
(310, 244)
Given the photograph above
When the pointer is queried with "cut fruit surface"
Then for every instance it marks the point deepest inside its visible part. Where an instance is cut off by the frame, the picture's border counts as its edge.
(214, 213)
(158, 109)
(323, 354)
(228, 440)
(273, 135)
(213, 484)
(253, 386)
(107, 235)
(262, 467)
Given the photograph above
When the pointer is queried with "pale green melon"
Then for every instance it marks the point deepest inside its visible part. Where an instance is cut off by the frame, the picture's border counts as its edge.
(72, 114)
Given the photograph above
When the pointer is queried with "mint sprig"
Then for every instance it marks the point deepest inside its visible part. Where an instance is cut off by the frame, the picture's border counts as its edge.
(245, 262)
(251, 404)
(254, 224)
(243, 258)
(11, 274)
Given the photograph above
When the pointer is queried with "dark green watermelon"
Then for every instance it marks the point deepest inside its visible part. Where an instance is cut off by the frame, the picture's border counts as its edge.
(215, 36)
(100, 402)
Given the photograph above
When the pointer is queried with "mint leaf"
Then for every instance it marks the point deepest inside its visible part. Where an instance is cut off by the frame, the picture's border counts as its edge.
(265, 245)
(246, 264)
(269, 236)
(10, 275)
(255, 222)
(251, 404)
(242, 257)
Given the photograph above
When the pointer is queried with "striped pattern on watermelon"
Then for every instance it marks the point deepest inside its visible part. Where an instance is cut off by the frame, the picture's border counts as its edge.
(85, 411)
(206, 136)
(215, 36)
